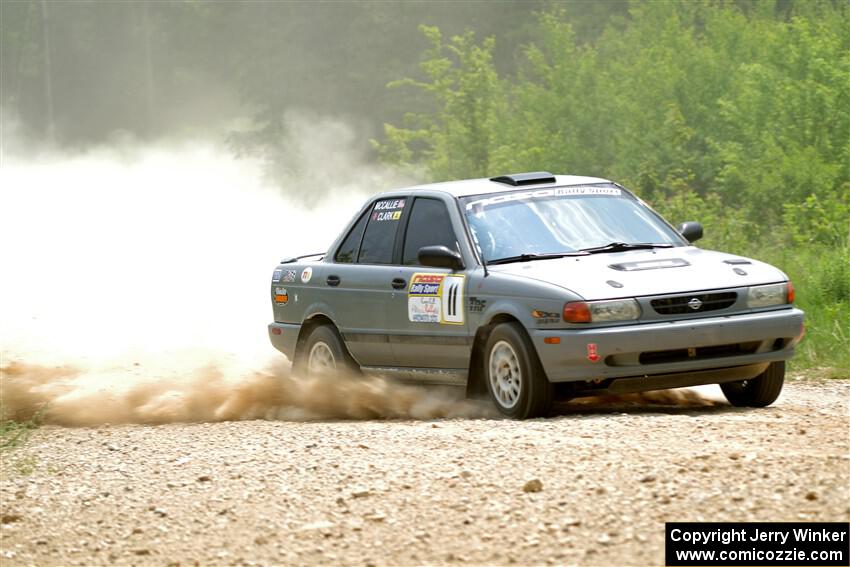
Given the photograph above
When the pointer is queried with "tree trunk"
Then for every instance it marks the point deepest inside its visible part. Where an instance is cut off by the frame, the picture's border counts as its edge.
(149, 74)
(48, 82)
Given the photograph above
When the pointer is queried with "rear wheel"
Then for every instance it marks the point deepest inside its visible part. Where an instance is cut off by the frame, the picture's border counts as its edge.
(324, 353)
(515, 379)
(757, 392)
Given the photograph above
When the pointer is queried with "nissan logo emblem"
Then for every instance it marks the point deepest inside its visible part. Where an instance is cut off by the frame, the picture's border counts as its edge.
(695, 304)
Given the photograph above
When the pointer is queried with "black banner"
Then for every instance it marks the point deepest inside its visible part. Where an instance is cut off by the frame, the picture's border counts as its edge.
(815, 544)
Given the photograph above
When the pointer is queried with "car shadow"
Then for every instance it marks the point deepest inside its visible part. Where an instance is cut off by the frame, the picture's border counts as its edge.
(667, 402)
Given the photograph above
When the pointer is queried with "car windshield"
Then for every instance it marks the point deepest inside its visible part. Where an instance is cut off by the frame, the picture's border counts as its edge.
(562, 220)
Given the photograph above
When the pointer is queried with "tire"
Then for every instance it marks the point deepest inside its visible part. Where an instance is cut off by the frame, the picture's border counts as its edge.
(514, 376)
(757, 392)
(323, 352)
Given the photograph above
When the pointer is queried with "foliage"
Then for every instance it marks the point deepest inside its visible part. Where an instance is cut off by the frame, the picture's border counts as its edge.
(154, 69)
(734, 114)
(14, 433)
(462, 79)
(821, 276)
(823, 220)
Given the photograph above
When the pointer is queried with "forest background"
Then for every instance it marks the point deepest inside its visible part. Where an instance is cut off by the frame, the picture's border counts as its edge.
(732, 113)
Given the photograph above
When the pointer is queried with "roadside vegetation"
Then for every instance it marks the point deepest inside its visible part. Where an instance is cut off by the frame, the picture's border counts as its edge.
(14, 432)
(733, 114)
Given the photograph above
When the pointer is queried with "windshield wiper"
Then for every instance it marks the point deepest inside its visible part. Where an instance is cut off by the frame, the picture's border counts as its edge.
(623, 246)
(529, 257)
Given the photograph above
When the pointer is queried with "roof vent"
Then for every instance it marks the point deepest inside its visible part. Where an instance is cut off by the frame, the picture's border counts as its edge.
(532, 178)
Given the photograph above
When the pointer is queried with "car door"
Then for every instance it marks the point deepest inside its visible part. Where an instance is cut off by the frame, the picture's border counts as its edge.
(427, 320)
(359, 282)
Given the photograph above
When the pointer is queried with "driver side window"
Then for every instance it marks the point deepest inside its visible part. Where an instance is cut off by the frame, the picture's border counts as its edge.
(429, 225)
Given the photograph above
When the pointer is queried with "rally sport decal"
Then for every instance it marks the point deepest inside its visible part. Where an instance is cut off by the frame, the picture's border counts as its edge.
(436, 298)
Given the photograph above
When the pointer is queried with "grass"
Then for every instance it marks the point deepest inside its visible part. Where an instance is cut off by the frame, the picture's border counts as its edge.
(25, 466)
(14, 433)
(821, 278)
(809, 243)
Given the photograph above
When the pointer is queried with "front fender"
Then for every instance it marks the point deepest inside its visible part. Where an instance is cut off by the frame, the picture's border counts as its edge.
(501, 307)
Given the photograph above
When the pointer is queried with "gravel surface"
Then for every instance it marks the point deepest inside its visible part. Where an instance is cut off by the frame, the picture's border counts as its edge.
(591, 486)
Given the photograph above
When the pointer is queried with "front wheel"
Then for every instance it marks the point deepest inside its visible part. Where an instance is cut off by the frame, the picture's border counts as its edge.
(515, 378)
(756, 392)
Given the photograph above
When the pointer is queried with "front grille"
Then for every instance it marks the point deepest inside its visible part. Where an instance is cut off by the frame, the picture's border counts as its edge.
(698, 303)
(697, 353)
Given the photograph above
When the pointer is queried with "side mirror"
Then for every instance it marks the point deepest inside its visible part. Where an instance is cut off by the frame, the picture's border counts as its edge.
(440, 257)
(691, 230)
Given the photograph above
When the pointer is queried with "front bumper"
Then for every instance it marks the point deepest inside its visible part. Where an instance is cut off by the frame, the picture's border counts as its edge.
(283, 337)
(669, 347)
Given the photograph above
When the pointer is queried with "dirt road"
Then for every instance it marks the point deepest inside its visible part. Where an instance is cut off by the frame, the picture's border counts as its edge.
(403, 492)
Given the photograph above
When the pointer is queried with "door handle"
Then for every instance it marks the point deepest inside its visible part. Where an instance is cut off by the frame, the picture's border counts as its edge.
(399, 283)
(333, 281)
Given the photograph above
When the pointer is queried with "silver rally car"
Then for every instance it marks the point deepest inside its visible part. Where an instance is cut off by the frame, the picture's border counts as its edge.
(533, 286)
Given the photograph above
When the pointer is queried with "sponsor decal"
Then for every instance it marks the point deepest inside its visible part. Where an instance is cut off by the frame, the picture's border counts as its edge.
(650, 265)
(276, 275)
(546, 316)
(592, 352)
(538, 314)
(288, 276)
(306, 275)
(281, 297)
(423, 309)
(476, 305)
(543, 194)
(436, 298)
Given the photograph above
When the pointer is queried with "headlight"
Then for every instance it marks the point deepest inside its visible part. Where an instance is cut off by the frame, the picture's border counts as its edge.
(769, 295)
(601, 311)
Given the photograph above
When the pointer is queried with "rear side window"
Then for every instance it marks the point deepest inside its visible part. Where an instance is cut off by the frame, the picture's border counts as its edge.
(347, 253)
(379, 238)
(429, 225)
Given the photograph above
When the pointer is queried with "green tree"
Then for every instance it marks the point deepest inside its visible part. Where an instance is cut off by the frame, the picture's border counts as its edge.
(459, 137)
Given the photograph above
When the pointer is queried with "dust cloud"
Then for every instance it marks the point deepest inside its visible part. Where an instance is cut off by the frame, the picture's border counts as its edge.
(73, 397)
(135, 283)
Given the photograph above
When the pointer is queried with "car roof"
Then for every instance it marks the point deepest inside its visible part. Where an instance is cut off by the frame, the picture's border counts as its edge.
(468, 187)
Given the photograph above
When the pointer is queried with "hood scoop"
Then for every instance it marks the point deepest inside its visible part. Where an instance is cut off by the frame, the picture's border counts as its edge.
(650, 265)
(738, 262)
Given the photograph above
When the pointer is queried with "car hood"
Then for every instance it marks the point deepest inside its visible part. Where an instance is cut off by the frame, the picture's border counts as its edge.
(645, 272)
